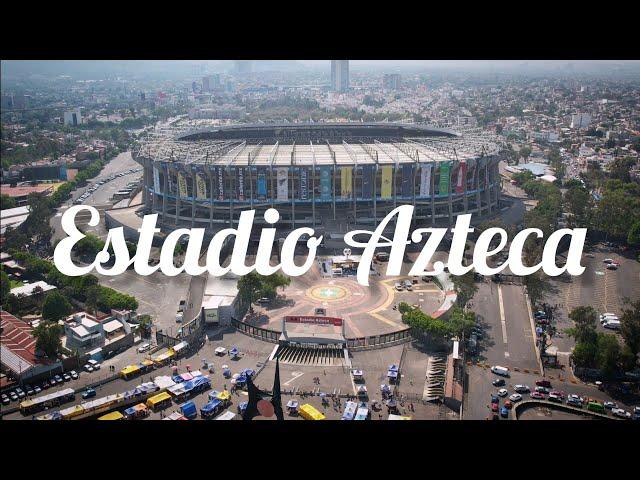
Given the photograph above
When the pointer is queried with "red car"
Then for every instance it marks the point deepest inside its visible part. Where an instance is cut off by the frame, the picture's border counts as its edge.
(537, 395)
(494, 407)
(508, 404)
(543, 383)
(558, 393)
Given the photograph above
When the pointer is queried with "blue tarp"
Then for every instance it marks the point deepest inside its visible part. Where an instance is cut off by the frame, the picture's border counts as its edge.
(247, 372)
(393, 368)
(213, 394)
(241, 379)
(189, 409)
(392, 374)
(177, 379)
(210, 406)
(226, 373)
(130, 411)
(243, 406)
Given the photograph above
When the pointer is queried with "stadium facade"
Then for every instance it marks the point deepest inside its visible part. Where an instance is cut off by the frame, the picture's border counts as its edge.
(328, 176)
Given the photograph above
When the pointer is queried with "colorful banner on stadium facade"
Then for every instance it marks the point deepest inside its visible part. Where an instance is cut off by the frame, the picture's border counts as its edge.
(326, 192)
(220, 182)
(387, 181)
(367, 181)
(261, 184)
(346, 182)
(406, 189)
(443, 188)
(156, 179)
(425, 180)
(303, 192)
(471, 167)
(201, 186)
(240, 183)
(462, 175)
(182, 185)
(282, 179)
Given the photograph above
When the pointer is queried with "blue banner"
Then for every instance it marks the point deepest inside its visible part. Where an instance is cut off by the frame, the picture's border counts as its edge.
(326, 191)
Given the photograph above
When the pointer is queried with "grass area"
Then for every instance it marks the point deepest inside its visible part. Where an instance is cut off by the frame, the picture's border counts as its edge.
(15, 283)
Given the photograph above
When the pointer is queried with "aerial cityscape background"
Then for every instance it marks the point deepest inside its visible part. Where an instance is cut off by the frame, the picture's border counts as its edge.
(334, 145)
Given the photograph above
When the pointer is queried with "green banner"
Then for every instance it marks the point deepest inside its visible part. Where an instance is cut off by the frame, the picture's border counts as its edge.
(443, 189)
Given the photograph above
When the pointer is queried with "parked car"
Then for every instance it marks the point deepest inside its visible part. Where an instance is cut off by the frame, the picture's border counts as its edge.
(558, 393)
(6, 400)
(494, 407)
(544, 390)
(543, 382)
(537, 395)
(88, 368)
(522, 388)
(508, 404)
(58, 379)
(494, 399)
(503, 392)
(498, 370)
(88, 393)
(45, 385)
(498, 382)
(74, 374)
(66, 377)
(621, 413)
(516, 397)
(610, 405)
(94, 364)
(554, 398)
(144, 347)
(399, 287)
(504, 412)
(607, 260)
(36, 389)
(612, 266)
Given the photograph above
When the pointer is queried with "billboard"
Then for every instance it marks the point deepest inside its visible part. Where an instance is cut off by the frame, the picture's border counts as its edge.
(346, 182)
(220, 182)
(443, 188)
(462, 175)
(201, 186)
(367, 181)
(314, 320)
(261, 184)
(387, 181)
(156, 179)
(183, 192)
(303, 193)
(326, 192)
(240, 183)
(425, 180)
(282, 179)
(406, 188)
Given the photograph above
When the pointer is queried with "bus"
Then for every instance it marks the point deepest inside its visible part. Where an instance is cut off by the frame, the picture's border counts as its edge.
(595, 407)
(47, 401)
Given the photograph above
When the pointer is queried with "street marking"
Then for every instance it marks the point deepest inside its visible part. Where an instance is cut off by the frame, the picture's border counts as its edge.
(502, 319)
(506, 354)
(296, 375)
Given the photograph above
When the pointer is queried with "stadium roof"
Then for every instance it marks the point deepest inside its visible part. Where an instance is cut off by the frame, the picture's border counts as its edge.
(315, 144)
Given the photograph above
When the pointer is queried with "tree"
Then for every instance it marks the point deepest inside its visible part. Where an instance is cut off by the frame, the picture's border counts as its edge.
(465, 286)
(92, 296)
(585, 320)
(7, 202)
(609, 354)
(633, 237)
(55, 307)
(47, 335)
(630, 327)
(461, 322)
(5, 287)
(620, 167)
(525, 152)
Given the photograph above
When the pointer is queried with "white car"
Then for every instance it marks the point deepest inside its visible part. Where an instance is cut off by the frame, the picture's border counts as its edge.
(88, 368)
(74, 374)
(503, 392)
(619, 412)
(522, 388)
(144, 347)
(399, 287)
(610, 405)
(516, 397)
(607, 260)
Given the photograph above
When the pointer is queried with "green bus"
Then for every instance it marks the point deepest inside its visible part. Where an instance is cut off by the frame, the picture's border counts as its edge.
(596, 407)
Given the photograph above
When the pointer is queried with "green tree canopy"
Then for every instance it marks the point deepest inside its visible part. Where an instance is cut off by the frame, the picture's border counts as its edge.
(55, 307)
(47, 335)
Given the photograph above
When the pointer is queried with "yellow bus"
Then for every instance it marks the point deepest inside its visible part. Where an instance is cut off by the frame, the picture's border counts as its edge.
(309, 412)
(112, 416)
(159, 401)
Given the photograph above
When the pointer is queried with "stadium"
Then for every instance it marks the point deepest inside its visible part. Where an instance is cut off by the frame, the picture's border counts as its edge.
(329, 176)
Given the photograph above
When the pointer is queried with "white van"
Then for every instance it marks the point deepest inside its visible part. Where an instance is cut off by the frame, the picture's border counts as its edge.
(605, 319)
(498, 370)
(612, 324)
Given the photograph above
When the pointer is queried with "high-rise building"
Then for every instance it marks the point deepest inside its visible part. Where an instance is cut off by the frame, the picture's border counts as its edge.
(243, 66)
(73, 117)
(210, 83)
(391, 81)
(206, 84)
(580, 120)
(339, 75)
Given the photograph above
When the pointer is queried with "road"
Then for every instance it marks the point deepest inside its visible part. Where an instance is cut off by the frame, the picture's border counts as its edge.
(102, 196)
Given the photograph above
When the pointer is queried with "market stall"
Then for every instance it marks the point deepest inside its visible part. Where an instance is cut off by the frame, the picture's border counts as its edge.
(350, 409)
(362, 414)
(189, 410)
(211, 408)
(292, 407)
(159, 401)
(112, 416)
